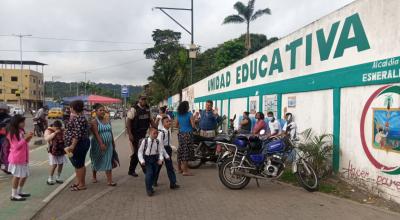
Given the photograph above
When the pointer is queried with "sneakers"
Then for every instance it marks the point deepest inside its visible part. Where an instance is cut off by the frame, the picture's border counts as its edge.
(50, 181)
(59, 180)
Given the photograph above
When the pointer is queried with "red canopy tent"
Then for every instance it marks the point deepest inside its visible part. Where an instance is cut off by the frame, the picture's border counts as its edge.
(102, 99)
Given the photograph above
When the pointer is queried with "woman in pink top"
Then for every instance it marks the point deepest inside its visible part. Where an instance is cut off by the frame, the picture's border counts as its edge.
(18, 157)
(260, 124)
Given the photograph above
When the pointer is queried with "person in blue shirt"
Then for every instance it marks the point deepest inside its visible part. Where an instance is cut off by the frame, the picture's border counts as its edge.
(208, 120)
(185, 122)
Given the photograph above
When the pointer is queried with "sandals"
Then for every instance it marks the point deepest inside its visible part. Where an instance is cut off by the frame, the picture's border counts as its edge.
(77, 188)
(112, 184)
(187, 174)
(94, 181)
(74, 185)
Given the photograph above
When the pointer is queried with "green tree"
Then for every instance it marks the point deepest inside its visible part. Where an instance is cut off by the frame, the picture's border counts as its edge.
(170, 70)
(246, 14)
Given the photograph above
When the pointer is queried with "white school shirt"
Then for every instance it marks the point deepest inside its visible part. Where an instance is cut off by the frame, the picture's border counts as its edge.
(165, 141)
(293, 128)
(151, 149)
(160, 125)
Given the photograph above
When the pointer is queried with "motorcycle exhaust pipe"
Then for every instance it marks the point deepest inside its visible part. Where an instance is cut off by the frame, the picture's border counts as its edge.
(249, 175)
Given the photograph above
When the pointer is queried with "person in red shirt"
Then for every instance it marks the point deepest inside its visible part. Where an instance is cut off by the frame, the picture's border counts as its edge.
(260, 124)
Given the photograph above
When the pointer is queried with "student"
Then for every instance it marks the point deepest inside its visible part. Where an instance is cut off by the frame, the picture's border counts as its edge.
(18, 157)
(164, 136)
(54, 135)
(273, 124)
(150, 155)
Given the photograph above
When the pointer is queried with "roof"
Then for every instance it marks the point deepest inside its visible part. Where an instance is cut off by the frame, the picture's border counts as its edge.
(24, 62)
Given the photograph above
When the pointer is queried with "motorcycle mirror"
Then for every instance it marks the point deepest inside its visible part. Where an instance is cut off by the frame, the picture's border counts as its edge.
(262, 132)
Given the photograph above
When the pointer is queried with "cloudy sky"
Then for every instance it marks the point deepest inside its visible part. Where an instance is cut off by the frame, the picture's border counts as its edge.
(128, 25)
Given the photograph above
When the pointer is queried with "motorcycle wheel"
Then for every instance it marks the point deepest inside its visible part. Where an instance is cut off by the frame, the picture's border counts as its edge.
(198, 155)
(38, 131)
(230, 180)
(308, 181)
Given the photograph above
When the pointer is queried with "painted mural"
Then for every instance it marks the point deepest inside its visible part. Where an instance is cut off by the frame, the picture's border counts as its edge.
(385, 106)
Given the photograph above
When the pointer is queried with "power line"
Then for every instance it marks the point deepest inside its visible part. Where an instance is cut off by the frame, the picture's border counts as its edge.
(75, 51)
(79, 40)
(106, 67)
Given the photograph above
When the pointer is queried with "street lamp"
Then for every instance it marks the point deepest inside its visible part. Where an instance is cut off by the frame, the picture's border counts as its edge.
(192, 47)
(20, 54)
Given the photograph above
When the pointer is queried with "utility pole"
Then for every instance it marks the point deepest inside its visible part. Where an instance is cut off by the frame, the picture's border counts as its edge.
(192, 47)
(20, 54)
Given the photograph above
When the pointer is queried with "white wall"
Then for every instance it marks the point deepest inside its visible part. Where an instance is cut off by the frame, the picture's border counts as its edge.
(238, 106)
(313, 110)
(353, 159)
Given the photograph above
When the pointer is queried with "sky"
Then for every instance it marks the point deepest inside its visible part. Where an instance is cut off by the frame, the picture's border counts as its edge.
(127, 25)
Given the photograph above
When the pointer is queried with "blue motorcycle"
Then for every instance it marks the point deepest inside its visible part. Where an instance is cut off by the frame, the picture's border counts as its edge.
(252, 157)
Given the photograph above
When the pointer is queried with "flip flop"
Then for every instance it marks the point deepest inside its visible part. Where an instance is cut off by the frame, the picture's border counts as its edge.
(94, 181)
(74, 185)
(187, 174)
(77, 188)
(112, 184)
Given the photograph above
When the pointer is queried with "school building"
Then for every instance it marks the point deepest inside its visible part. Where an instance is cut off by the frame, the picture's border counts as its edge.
(338, 75)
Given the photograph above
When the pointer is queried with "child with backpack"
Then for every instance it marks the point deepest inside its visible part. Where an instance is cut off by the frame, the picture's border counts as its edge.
(164, 136)
(150, 155)
(54, 135)
(18, 157)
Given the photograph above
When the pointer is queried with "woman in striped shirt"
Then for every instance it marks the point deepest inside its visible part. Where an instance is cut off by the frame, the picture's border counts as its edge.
(102, 145)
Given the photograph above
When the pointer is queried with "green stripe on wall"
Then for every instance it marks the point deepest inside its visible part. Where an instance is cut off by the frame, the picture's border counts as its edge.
(336, 129)
(248, 103)
(279, 105)
(338, 78)
(229, 111)
(260, 101)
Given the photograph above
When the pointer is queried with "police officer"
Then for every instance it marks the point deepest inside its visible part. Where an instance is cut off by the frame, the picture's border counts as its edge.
(138, 122)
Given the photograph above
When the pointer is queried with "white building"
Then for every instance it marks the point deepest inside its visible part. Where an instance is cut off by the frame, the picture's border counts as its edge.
(338, 75)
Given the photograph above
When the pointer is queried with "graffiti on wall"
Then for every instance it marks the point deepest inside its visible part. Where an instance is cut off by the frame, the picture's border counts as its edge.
(385, 128)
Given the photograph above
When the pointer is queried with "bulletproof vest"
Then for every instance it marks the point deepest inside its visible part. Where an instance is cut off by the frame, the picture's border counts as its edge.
(141, 120)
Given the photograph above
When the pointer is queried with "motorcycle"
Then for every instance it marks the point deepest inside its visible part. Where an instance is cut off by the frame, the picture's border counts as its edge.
(207, 149)
(39, 126)
(251, 157)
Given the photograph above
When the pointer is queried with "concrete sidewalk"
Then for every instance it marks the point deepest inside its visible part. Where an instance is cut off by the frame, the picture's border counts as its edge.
(200, 197)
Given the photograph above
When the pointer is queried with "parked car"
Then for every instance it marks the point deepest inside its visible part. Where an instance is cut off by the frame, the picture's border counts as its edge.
(15, 110)
(55, 113)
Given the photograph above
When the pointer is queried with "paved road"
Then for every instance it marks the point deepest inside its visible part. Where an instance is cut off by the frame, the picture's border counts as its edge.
(201, 197)
(36, 184)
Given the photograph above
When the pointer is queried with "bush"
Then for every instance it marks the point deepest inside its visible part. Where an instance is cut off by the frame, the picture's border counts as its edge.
(318, 149)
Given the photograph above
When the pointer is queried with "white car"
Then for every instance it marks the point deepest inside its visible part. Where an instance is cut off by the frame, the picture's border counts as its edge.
(16, 111)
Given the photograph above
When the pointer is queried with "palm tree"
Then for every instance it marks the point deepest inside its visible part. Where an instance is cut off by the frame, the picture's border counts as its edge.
(246, 14)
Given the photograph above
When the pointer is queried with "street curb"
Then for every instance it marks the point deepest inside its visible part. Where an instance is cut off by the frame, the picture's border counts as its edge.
(55, 192)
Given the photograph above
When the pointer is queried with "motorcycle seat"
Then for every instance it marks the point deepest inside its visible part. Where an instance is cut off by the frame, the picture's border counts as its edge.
(210, 144)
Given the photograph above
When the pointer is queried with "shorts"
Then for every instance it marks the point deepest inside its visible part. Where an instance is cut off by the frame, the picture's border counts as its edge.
(19, 170)
(79, 154)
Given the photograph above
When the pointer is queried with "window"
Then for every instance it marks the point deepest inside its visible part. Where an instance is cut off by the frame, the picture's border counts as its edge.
(34, 80)
(34, 92)
(13, 91)
(14, 78)
(1, 78)
(1, 91)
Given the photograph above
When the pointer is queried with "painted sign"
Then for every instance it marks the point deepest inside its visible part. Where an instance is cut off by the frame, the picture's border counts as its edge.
(386, 126)
(335, 40)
